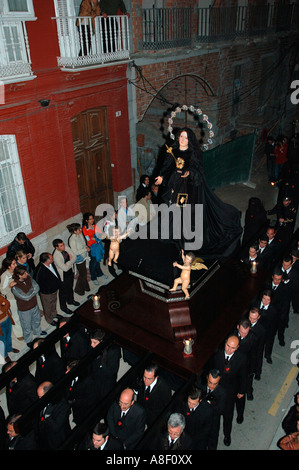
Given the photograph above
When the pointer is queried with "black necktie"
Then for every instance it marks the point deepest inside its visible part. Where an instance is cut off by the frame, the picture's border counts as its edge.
(171, 443)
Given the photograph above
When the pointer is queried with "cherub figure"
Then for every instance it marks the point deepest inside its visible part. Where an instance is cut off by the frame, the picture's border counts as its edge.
(190, 263)
(184, 278)
(115, 240)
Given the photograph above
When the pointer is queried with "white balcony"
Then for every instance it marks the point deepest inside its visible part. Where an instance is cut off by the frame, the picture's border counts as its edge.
(83, 42)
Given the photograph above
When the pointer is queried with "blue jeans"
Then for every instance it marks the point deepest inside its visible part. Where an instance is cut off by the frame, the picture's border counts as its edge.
(95, 268)
(6, 336)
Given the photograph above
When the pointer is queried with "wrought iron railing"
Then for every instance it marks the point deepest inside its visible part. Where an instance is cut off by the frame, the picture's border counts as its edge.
(85, 42)
(220, 23)
(165, 28)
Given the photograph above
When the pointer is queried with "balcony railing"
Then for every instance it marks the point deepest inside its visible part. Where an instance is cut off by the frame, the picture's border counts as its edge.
(219, 23)
(165, 28)
(84, 42)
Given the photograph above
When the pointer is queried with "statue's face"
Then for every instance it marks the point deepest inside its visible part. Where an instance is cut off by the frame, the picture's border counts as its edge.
(183, 140)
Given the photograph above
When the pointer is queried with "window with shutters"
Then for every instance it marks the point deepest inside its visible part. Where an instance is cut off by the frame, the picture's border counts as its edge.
(15, 61)
(14, 216)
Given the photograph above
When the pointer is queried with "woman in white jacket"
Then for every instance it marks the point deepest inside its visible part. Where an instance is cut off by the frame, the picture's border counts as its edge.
(8, 266)
(78, 246)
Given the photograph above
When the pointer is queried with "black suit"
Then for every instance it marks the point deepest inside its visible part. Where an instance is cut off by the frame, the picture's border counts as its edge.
(260, 333)
(49, 367)
(269, 320)
(184, 442)
(53, 425)
(3, 429)
(247, 346)
(292, 279)
(111, 444)
(104, 370)
(234, 381)
(20, 442)
(47, 281)
(49, 284)
(81, 397)
(281, 298)
(129, 429)
(198, 423)
(27, 247)
(265, 257)
(217, 399)
(76, 348)
(155, 401)
(274, 247)
(21, 394)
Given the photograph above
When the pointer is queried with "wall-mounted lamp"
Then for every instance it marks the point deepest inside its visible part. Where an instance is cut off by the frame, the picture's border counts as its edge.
(44, 103)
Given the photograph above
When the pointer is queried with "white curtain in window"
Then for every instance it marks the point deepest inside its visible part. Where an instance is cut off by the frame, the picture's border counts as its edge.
(13, 43)
(14, 216)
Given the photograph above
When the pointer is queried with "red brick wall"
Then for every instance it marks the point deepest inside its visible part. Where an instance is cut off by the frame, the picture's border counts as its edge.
(44, 136)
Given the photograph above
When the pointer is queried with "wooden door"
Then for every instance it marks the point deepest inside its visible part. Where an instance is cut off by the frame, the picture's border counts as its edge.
(92, 157)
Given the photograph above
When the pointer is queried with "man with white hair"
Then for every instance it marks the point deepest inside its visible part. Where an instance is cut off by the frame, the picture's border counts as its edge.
(175, 438)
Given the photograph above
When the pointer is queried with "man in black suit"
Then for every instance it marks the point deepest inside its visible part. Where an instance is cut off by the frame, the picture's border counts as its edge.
(176, 437)
(247, 346)
(48, 279)
(290, 277)
(104, 368)
(17, 441)
(74, 344)
(154, 394)
(80, 393)
(22, 243)
(101, 440)
(232, 365)
(198, 414)
(269, 320)
(280, 290)
(264, 252)
(251, 255)
(273, 244)
(53, 425)
(260, 333)
(64, 261)
(21, 391)
(49, 365)
(286, 218)
(215, 395)
(126, 419)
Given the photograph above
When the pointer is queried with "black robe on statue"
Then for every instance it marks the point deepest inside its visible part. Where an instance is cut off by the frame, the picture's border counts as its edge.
(220, 225)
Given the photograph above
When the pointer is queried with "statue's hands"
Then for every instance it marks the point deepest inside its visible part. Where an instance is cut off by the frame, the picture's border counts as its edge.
(186, 174)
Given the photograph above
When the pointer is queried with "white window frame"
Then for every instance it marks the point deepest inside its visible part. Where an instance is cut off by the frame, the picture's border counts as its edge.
(23, 15)
(20, 68)
(14, 215)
